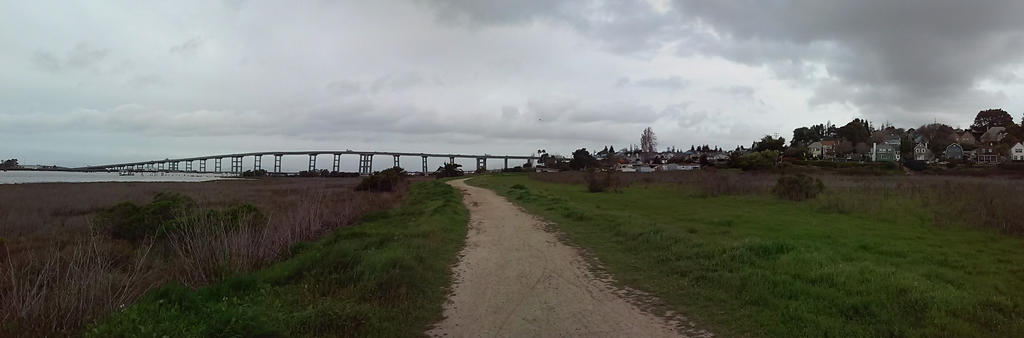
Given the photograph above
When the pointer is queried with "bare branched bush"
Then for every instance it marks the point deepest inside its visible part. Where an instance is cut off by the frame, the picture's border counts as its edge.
(70, 287)
(601, 181)
(51, 288)
(798, 187)
(712, 183)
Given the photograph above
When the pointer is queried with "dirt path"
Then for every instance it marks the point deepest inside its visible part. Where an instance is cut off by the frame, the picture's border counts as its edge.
(517, 280)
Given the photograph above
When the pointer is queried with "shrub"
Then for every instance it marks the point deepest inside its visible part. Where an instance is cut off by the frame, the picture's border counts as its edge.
(798, 188)
(134, 223)
(598, 182)
(756, 160)
(915, 165)
(256, 173)
(392, 179)
(449, 170)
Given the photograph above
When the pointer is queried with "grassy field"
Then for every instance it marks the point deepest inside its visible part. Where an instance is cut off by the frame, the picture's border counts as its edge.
(758, 266)
(385, 277)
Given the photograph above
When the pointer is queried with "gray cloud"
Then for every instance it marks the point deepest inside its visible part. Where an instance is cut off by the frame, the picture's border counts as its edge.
(910, 58)
(344, 87)
(485, 74)
(395, 82)
(671, 82)
(145, 81)
(187, 48)
(82, 56)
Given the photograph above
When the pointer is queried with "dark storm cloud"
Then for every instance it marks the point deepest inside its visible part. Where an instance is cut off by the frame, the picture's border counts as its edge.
(910, 56)
(886, 57)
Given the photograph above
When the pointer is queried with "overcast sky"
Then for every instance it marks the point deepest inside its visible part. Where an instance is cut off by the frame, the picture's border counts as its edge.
(108, 81)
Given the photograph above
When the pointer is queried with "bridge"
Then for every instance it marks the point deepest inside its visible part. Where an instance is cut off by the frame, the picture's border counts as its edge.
(365, 161)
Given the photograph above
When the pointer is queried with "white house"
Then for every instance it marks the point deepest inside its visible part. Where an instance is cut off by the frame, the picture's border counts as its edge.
(922, 153)
(1017, 152)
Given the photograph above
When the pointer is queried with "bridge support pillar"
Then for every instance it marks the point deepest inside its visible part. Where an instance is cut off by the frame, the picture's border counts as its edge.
(202, 165)
(277, 162)
(506, 163)
(365, 164)
(236, 164)
(337, 163)
(312, 162)
(216, 164)
(481, 163)
(397, 163)
(257, 162)
(188, 165)
(424, 166)
(451, 160)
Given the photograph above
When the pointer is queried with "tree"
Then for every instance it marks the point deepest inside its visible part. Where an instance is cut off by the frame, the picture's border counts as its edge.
(856, 131)
(862, 148)
(581, 159)
(990, 118)
(770, 143)
(805, 135)
(754, 160)
(543, 159)
(9, 164)
(797, 151)
(938, 136)
(648, 142)
(1015, 131)
(844, 147)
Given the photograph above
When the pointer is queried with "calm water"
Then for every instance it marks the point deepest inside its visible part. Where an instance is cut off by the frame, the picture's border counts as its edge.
(12, 177)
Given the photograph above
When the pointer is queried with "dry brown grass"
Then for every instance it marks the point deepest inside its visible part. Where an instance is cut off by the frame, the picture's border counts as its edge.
(57, 276)
(709, 182)
(990, 202)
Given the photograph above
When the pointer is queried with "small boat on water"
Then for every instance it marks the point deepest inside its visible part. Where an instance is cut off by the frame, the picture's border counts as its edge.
(126, 173)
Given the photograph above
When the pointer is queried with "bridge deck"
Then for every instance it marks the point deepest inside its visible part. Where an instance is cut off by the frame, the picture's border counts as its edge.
(317, 152)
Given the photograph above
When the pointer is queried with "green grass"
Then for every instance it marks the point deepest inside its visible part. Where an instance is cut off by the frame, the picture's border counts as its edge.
(760, 266)
(385, 277)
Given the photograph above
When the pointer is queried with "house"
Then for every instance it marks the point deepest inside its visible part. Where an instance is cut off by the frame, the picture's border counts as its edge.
(993, 135)
(987, 154)
(954, 152)
(885, 153)
(971, 155)
(922, 153)
(823, 149)
(888, 150)
(965, 138)
(1017, 152)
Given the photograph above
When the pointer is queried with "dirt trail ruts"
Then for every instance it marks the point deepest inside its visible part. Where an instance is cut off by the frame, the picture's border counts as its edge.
(515, 279)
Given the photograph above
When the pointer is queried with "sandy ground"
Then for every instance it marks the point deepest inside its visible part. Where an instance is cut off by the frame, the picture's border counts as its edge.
(515, 279)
